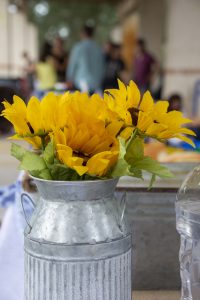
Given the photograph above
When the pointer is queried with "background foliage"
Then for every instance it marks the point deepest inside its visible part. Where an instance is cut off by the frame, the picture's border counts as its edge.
(73, 15)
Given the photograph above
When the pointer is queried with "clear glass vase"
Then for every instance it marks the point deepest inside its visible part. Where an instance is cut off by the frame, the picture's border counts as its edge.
(188, 226)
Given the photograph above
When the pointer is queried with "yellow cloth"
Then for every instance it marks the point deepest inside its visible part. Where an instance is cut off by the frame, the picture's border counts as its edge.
(46, 75)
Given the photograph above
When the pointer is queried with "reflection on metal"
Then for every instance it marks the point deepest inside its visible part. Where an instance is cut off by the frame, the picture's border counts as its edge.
(78, 245)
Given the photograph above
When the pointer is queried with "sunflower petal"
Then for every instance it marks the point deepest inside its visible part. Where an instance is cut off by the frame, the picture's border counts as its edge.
(147, 102)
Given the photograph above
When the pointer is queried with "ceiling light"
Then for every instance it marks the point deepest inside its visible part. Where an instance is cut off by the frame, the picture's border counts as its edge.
(63, 32)
(41, 9)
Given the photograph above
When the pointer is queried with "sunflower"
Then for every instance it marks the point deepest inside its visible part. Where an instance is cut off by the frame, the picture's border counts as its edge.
(82, 132)
(141, 113)
(33, 122)
(88, 144)
(16, 113)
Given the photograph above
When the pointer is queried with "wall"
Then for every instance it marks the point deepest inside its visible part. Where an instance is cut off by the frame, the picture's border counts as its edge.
(182, 48)
(152, 24)
(170, 28)
(4, 39)
(17, 35)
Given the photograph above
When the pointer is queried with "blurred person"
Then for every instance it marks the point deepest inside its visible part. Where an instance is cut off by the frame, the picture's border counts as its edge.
(175, 102)
(45, 71)
(114, 66)
(29, 72)
(144, 66)
(60, 57)
(156, 84)
(107, 48)
(86, 63)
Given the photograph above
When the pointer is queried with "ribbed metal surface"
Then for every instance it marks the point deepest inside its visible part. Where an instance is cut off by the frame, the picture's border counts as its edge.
(77, 245)
(105, 279)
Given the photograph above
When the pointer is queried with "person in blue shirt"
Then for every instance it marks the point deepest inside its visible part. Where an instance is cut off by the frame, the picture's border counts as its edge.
(86, 63)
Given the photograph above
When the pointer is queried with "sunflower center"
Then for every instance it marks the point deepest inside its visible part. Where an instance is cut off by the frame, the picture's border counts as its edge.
(134, 114)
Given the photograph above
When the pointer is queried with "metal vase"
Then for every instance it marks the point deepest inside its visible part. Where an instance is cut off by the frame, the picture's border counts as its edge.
(77, 243)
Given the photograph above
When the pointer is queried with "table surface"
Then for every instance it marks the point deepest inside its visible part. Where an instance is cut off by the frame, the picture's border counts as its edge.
(156, 295)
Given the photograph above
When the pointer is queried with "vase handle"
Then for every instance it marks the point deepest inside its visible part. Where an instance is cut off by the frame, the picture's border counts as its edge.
(22, 203)
(123, 206)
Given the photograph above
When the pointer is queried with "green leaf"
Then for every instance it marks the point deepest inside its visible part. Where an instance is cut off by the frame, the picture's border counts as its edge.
(122, 147)
(89, 177)
(49, 153)
(153, 179)
(62, 172)
(135, 173)
(152, 166)
(36, 165)
(135, 150)
(32, 162)
(45, 174)
(40, 133)
(35, 173)
(17, 151)
(138, 162)
(121, 168)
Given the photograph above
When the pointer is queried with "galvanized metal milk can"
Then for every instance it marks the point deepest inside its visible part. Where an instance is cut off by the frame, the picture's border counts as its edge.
(77, 244)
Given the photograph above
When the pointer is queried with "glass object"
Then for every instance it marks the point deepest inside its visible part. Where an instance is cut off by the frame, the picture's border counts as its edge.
(188, 226)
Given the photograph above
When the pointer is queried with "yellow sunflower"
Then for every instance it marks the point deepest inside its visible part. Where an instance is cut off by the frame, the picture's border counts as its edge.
(37, 119)
(16, 113)
(151, 119)
(87, 144)
(86, 151)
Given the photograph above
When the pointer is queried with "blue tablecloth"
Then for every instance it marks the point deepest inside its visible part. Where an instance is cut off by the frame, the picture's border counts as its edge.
(11, 242)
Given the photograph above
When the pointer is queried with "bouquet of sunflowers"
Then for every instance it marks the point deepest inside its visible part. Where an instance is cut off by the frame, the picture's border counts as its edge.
(75, 136)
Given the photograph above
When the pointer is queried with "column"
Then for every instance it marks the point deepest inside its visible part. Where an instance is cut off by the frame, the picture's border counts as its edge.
(32, 41)
(18, 42)
(4, 39)
(152, 24)
(182, 49)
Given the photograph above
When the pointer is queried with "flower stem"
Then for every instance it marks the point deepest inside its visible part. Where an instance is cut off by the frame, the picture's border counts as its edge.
(43, 142)
(135, 132)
